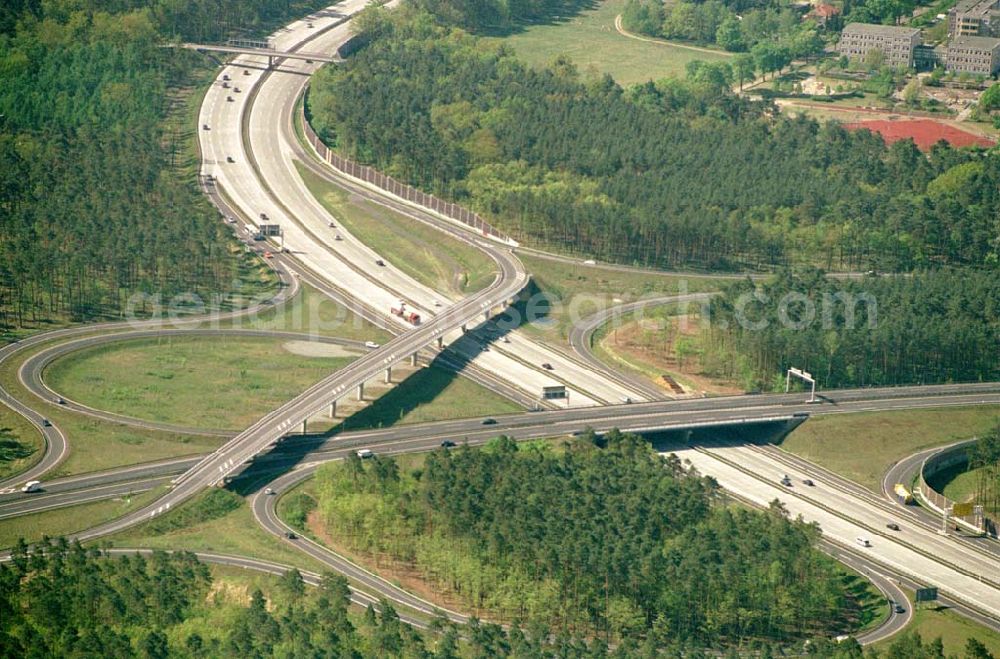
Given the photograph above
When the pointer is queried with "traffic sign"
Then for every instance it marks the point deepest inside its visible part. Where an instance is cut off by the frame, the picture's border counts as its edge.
(962, 509)
(927, 594)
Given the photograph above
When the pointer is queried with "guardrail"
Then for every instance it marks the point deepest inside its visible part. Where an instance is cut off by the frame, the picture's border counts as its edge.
(409, 193)
(950, 456)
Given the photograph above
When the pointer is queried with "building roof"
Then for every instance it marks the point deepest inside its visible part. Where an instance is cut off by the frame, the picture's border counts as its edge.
(981, 7)
(975, 43)
(880, 30)
(825, 11)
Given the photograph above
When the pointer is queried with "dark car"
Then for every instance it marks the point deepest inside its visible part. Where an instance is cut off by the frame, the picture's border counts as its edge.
(786, 481)
(60, 400)
(290, 535)
(46, 423)
(229, 159)
(447, 443)
(379, 262)
(899, 609)
(807, 481)
(547, 366)
(204, 126)
(892, 526)
(489, 422)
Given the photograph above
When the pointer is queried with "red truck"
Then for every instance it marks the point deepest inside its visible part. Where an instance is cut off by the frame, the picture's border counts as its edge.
(411, 317)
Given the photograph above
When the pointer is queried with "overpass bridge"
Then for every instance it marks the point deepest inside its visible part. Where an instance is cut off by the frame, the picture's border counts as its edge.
(259, 49)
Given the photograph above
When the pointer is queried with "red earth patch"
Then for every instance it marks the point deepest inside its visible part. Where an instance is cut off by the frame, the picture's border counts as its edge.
(925, 133)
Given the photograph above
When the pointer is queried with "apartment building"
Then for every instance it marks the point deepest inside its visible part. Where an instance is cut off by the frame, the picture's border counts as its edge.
(974, 18)
(978, 55)
(896, 43)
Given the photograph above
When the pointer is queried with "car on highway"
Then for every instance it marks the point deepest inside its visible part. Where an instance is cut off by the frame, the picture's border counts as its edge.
(229, 159)
(337, 237)
(447, 443)
(365, 453)
(786, 481)
(898, 608)
(204, 126)
(268, 490)
(808, 481)
(371, 344)
(268, 255)
(863, 541)
(263, 216)
(225, 76)
(547, 366)
(892, 526)
(489, 422)
(60, 400)
(246, 72)
(46, 423)
(225, 85)
(236, 89)
(32, 486)
(380, 262)
(331, 224)
(229, 99)
(590, 262)
(290, 535)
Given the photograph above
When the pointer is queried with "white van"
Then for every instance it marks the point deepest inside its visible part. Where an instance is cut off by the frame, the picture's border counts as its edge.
(32, 486)
(863, 541)
(365, 453)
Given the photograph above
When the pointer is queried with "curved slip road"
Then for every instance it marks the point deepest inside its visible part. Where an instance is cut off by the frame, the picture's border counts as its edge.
(56, 445)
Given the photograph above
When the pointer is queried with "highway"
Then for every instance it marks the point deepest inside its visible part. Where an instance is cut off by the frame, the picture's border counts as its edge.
(264, 175)
(270, 185)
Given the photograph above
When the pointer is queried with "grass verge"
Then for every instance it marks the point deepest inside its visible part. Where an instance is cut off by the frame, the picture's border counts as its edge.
(575, 291)
(21, 445)
(216, 521)
(430, 394)
(65, 521)
(953, 629)
(313, 313)
(422, 252)
(205, 382)
(590, 39)
(863, 446)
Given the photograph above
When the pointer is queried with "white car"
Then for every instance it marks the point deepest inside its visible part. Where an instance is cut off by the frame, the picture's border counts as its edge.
(365, 453)
(372, 345)
(32, 486)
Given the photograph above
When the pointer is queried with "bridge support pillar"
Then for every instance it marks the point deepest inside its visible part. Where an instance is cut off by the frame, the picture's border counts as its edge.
(270, 62)
(333, 410)
(440, 342)
(361, 391)
(464, 329)
(305, 426)
(486, 315)
(413, 359)
(388, 374)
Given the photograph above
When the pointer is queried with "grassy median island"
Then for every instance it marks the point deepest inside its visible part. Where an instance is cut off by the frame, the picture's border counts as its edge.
(203, 382)
(575, 291)
(429, 256)
(864, 445)
(591, 41)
